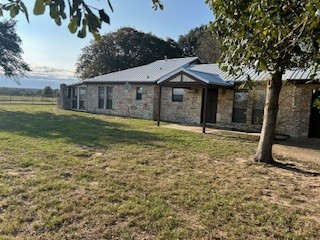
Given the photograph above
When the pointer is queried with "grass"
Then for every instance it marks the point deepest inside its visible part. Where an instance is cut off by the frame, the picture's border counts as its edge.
(70, 175)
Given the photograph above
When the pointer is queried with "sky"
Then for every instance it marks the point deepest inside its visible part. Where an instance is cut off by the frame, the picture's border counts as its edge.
(50, 49)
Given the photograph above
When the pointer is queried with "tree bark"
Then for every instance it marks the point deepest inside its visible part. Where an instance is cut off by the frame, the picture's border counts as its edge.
(264, 150)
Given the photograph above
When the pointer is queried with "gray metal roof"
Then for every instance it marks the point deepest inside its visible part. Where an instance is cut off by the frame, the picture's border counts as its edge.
(149, 73)
(159, 71)
(294, 74)
(205, 77)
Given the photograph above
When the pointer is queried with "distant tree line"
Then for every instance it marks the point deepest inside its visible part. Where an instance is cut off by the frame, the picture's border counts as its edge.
(46, 92)
(128, 47)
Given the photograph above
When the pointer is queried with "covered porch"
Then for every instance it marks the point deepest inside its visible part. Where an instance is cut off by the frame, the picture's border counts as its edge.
(204, 86)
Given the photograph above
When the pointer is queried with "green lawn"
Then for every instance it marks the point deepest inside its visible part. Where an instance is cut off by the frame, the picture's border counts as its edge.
(69, 175)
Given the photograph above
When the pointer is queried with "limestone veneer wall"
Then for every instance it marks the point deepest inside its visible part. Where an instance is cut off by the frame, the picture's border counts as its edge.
(293, 116)
(124, 101)
(187, 111)
(295, 107)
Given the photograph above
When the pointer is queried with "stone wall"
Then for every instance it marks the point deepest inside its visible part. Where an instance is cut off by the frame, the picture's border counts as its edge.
(293, 116)
(224, 108)
(124, 101)
(63, 100)
(294, 113)
(187, 111)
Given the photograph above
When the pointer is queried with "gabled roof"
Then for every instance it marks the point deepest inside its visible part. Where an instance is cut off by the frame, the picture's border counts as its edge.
(206, 78)
(149, 73)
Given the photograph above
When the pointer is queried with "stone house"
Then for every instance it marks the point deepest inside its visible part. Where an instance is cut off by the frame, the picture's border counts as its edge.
(184, 90)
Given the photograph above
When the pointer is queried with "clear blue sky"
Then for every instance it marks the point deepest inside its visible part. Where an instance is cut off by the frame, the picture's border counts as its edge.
(46, 44)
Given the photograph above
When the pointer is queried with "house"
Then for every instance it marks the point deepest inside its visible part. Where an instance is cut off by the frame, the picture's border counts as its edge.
(184, 90)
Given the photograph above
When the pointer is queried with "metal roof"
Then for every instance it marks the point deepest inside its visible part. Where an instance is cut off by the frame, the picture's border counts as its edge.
(149, 73)
(161, 70)
(294, 74)
(205, 77)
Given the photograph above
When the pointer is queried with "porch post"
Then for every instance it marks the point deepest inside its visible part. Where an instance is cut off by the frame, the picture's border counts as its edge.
(204, 116)
(159, 105)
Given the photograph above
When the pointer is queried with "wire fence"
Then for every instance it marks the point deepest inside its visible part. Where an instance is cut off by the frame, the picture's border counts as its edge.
(32, 100)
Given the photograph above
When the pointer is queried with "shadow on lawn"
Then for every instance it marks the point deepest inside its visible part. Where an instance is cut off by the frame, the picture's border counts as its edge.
(292, 168)
(73, 128)
(307, 143)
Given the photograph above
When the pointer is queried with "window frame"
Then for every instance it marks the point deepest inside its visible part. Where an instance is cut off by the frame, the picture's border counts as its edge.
(138, 93)
(74, 97)
(177, 97)
(109, 97)
(82, 98)
(259, 100)
(237, 110)
(101, 97)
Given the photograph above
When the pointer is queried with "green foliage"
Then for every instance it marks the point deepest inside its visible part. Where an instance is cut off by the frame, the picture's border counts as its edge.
(268, 35)
(20, 92)
(11, 62)
(82, 16)
(47, 91)
(200, 42)
(316, 103)
(123, 49)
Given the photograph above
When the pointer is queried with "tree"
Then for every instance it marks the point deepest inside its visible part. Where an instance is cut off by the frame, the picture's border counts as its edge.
(82, 16)
(47, 91)
(268, 36)
(11, 62)
(124, 48)
(202, 43)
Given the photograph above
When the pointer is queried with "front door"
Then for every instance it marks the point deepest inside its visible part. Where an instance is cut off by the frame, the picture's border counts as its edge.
(314, 127)
(211, 111)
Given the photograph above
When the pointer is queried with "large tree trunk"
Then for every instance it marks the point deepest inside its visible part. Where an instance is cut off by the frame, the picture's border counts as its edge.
(264, 151)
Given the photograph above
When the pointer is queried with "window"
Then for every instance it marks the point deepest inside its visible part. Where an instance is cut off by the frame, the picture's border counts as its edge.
(240, 101)
(258, 106)
(74, 97)
(109, 97)
(82, 97)
(101, 97)
(139, 93)
(177, 94)
(69, 92)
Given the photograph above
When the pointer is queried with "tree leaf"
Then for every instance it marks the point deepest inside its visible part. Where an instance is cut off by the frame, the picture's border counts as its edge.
(83, 32)
(24, 10)
(14, 11)
(263, 65)
(104, 17)
(39, 7)
(58, 20)
(73, 25)
(54, 12)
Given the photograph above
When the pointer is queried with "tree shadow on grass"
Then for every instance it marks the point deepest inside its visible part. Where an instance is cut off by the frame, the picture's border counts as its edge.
(307, 143)
(73, 128)
(292, 168)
